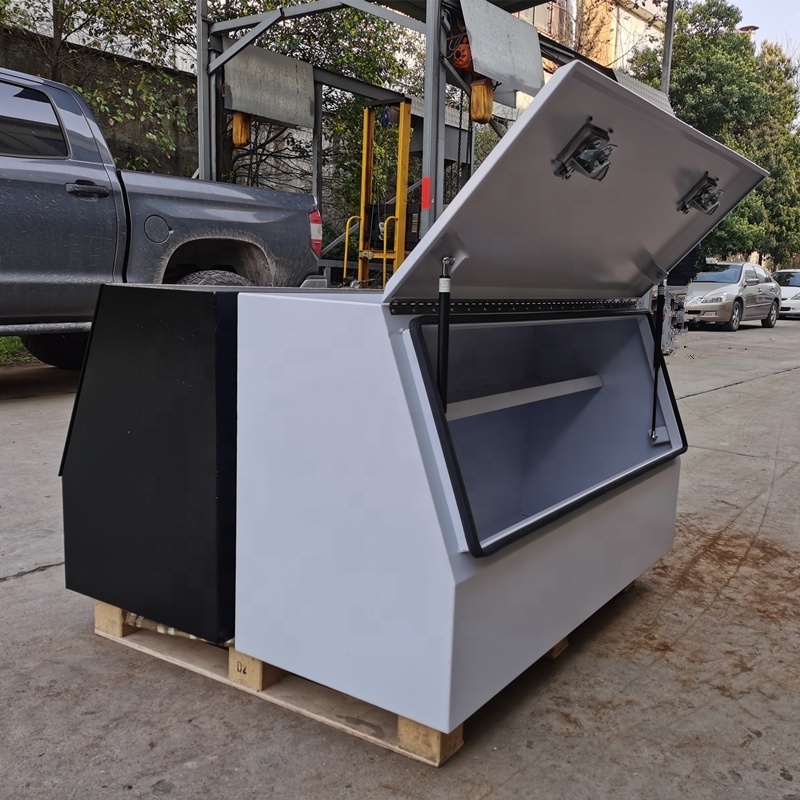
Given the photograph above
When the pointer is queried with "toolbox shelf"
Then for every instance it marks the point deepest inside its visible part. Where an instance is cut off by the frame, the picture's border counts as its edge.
(521, 397)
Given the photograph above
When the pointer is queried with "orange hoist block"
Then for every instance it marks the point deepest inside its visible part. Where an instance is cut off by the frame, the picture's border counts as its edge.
(462, 55)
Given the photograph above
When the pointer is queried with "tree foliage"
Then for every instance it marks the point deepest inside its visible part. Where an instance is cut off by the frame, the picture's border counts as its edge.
(75, 40)
(71, 41)
(747, 100)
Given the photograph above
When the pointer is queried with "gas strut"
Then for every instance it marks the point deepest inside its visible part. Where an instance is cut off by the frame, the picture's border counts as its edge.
(657, 355)
(444, 329)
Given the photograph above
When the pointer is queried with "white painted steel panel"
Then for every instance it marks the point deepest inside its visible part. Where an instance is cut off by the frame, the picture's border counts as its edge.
(351, 568)
(358, 500)
(342, 571)
(509, 613)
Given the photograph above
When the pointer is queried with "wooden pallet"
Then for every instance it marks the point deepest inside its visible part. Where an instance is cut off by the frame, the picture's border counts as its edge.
(229, 666)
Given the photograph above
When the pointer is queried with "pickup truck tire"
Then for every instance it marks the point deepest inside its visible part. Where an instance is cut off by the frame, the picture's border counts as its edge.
(63, 350)
(214, 277)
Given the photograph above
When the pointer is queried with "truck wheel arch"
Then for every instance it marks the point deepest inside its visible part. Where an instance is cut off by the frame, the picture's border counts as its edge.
(232, 255)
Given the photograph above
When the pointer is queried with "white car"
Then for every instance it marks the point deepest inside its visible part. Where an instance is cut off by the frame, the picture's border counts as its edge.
(789, 281)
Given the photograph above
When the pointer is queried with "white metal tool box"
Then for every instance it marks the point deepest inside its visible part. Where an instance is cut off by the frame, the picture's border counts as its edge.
(418, 546)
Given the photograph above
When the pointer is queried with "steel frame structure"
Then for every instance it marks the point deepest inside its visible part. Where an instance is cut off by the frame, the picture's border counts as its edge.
(211, 58)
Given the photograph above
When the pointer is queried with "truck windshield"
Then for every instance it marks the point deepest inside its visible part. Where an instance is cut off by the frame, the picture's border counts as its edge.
(720, 273)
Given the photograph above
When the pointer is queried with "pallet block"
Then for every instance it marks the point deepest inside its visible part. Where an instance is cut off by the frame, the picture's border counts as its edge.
(556, 651)
(227, 665)
(110, 621)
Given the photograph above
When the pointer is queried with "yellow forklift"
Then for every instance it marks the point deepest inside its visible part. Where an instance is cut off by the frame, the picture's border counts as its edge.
(381, 241)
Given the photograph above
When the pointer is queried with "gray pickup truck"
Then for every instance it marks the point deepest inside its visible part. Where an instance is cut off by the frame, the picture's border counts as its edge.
(70, 221)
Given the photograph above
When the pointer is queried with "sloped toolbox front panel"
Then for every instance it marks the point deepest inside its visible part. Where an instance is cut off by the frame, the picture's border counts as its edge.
(149, 473)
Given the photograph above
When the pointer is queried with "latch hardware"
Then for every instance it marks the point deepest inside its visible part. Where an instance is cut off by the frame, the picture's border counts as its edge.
(702, 196)
(588, 153)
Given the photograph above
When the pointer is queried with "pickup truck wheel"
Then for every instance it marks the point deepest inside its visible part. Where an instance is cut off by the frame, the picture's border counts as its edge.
(64, 350)
(214, 277)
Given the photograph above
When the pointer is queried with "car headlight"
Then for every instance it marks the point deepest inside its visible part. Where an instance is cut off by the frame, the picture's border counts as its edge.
(715, 298)
(795, 296)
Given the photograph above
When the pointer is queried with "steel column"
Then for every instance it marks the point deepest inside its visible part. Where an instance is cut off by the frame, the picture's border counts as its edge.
(214, 84)
(432, 110)
(203, 95)
(367, 149)
(669, 38)
(316, 158)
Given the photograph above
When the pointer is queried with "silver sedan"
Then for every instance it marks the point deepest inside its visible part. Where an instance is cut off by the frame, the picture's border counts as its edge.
(727, 293)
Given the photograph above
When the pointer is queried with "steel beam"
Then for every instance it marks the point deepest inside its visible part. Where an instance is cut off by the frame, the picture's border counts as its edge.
(248, 39)
(321, 6)
(209, 65)
(386, 14)
(231, 25)
(357, 87)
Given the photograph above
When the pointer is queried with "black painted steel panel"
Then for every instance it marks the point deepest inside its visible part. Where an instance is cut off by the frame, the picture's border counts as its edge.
(149, 472)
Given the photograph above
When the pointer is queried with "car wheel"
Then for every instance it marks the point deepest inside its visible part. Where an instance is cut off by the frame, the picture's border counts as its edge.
(770, 320)
(63, 350)
(214, 277)
(736, 317)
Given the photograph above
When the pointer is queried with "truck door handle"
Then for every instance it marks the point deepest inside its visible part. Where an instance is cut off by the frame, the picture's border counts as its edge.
(87, 189)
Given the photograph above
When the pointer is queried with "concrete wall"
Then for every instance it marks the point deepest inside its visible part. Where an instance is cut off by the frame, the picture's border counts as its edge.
(27, 52)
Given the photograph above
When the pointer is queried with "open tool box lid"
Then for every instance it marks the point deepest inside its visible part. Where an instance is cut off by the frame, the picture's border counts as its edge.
(594, 194)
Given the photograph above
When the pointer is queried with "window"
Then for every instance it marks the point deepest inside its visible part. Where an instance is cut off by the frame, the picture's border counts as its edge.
(719, 273)
(28, 124)
(762, 275)
(787, 278)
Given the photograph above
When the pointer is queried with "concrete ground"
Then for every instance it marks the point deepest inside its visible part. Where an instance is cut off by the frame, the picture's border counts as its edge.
(686, 687)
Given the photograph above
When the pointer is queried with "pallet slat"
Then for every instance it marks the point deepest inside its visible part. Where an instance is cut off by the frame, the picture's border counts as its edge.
(283, 689)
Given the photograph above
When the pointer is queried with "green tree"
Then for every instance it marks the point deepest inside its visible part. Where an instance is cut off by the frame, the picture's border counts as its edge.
(99, 47)
(748, 101)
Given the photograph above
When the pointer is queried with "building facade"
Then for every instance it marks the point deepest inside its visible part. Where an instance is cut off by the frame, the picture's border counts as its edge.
(607, 31)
